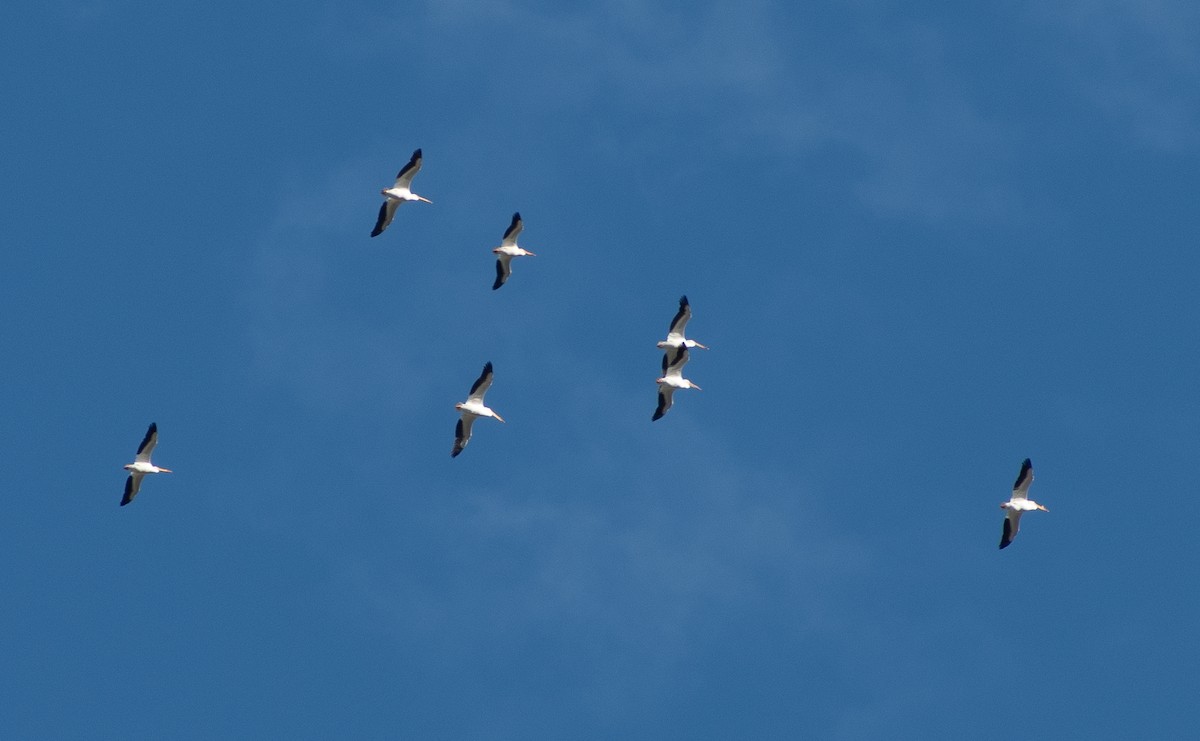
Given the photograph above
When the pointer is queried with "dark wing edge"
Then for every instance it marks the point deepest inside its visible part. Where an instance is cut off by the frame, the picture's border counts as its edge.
(1006, 538)
(382, 222)
(151, 432)
(685, 311)
(663, 406)
(131, 491)
(414, 163)
(515, 226)
(483, 377)
(501, 275)
(1025, 477)
(459, 441)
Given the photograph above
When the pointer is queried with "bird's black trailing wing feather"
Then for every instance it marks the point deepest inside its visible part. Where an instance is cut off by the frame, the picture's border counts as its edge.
(381, 222)
(150, 433)
(1008, 535)
(684, 309)
(500, 276)
(662, 407)
(1023, 476)
(130, 492)
(487, 370)
(459, 442)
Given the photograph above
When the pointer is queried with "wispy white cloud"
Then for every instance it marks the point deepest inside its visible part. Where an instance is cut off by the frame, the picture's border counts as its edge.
(749, 79)
(1137, 61)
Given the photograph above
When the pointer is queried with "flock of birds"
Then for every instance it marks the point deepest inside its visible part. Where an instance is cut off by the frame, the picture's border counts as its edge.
(676, 351)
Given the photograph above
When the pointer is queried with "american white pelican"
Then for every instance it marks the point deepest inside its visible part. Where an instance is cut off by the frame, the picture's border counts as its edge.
(672, 378)
(675, 336)
(398, 193)
(507, 250)
(1018, 503)
(471, 408)
(141, 465)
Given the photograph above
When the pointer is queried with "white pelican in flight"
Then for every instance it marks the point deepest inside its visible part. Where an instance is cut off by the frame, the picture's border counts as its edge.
(1020, 502)
(471, 408)
(398, 193)
(141, 465)
(672, 378)
(675, 336)
(507, 250)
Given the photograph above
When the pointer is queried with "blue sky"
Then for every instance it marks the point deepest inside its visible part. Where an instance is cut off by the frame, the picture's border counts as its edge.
(923, 241)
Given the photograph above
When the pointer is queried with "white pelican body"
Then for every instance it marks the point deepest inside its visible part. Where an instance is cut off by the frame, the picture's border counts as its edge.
(675, 332)
(672, 378)
(141, 465)
(507, 250)
(1018, 503)
(471, 408)
(398, 193)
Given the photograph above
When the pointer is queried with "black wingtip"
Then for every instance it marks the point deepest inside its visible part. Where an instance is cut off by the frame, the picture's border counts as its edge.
(380, 219)
(1006, 538)
(683, 301)
(487, 367)
(417, 153)
(657, 416)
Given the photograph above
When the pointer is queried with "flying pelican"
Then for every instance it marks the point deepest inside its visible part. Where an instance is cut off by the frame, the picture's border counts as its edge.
(507, 250)
(1020, 502)
(398, 193)
(675, 336)
(672, 378)
(141, 465)
(471, 408)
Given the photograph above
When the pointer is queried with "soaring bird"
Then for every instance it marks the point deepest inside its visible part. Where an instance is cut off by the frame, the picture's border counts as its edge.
(141, 465)
(672, 378)
(507, 250)
(398, 193)
(471, 408)
(675, 336)
(1018, 503)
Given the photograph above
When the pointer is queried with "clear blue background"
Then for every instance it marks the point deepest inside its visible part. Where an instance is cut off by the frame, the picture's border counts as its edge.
(924, 241)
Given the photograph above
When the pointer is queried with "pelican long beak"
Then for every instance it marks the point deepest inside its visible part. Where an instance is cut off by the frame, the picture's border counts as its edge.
(702, 347)
(423, 198)
(697, 387)
(497, 416)
(1043, 508)
(529, 254)
(165, 470)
